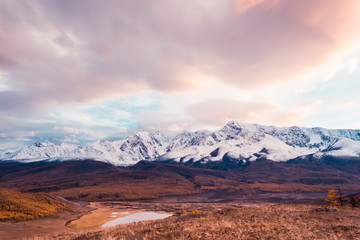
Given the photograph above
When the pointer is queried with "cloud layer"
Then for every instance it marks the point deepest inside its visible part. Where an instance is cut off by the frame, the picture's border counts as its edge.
(58, 53)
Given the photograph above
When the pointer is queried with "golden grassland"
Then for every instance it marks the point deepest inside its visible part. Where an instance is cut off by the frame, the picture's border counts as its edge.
(286, 221)
(28, 206)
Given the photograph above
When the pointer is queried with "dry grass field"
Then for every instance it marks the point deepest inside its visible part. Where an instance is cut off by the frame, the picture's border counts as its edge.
(244, 203)
(286, 221)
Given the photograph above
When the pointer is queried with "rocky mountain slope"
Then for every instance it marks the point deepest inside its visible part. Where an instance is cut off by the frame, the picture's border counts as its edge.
(236, 142)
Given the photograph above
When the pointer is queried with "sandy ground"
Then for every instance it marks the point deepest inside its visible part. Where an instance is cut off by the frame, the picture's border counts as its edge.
(101, 215)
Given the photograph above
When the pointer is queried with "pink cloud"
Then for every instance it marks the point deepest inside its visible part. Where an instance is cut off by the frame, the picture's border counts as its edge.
(61, 52)
(68, 129)
(296, 114)
(219, 112)
(2, 135)
(279, 43)
(242, 6)
(22, 134)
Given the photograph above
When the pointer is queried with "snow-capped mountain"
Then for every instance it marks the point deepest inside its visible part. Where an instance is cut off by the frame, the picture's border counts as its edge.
(140, 146)
(237, 141)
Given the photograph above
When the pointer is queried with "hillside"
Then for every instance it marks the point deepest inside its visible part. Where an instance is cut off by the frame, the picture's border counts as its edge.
(98, 181)
(28, 206)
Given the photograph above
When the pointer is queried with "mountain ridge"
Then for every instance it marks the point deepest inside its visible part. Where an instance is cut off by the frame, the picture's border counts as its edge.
(238, 141)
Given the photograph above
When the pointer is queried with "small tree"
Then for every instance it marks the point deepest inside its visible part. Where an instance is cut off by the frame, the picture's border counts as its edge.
(196, 212)
(332, 198)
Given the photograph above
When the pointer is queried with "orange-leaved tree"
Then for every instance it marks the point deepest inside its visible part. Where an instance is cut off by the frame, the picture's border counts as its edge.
(332, 198)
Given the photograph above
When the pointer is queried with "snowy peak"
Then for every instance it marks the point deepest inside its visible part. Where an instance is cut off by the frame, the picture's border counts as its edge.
(187, 139)
(235, 131)
(44, 150)
(300, 136)
(236, 141)
(144, 145)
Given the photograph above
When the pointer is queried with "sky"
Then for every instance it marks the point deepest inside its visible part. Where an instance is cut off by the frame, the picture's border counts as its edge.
(83, 70)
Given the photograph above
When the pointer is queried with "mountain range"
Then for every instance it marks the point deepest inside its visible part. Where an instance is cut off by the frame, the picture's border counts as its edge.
(236, 142)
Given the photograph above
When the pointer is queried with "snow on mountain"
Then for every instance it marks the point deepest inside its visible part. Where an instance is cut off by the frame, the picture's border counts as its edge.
(242, 142)
(233, 140)
(343, 147)
(7, 153)
(300, 136)
(189, 139)
(140, 146)
(44, 150)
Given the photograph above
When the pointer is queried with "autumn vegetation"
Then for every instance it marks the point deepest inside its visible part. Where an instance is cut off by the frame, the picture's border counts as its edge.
(28, 206)
(285, 221)
(97, 181)
(241, 203)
